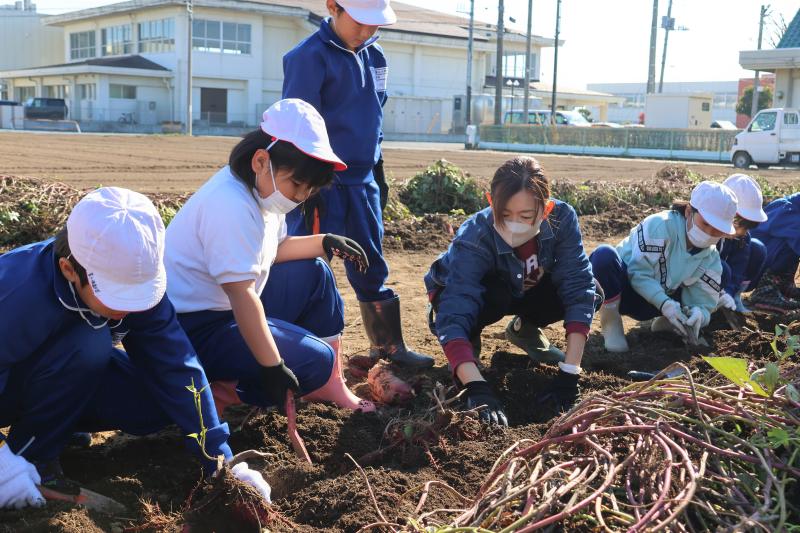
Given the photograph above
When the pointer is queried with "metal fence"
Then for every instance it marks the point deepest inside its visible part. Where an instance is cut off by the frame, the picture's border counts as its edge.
(710, 144)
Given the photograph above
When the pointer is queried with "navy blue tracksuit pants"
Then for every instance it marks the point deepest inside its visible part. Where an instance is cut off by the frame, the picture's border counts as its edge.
(302, 305)
(612, 273)
(355, 212)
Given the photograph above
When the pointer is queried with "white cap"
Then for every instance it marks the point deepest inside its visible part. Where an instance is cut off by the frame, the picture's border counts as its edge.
(297, 122)
(370, 12)
(748, 192)
(716, 203)
(118, 237)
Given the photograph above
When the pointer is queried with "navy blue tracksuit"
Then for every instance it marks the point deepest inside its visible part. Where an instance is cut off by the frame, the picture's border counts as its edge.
(349, 91)
(743, 262)
(59, 374)
(781, 234)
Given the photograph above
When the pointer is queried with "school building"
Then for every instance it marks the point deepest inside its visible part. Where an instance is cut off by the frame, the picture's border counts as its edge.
(127, 62)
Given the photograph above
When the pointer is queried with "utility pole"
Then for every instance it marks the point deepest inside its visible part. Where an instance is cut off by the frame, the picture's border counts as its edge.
(498, 82)
(754, 103)
(555, 65)
(189, 69)
(651, 71)
(670, 23)
(528, 65)
(469, 61)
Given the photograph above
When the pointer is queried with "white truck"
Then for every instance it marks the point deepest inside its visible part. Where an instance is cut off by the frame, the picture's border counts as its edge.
(771, 138)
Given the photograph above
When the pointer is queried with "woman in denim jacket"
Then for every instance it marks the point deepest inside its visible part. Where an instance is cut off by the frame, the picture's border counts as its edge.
(524, 256)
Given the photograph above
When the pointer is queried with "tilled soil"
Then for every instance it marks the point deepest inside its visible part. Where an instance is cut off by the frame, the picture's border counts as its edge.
(331, 494)
(174, 163)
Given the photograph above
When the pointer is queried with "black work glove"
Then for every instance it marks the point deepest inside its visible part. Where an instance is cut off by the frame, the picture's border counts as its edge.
(347, 249)
(563, 393)
(479, 393)
(277, 380)
(380, 179)
(314, 205)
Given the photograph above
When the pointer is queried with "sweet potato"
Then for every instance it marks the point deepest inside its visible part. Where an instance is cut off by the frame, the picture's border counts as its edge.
(386, 387)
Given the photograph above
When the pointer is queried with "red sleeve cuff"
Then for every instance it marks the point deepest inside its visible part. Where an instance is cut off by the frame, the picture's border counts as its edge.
(458, 351)
(577, 327)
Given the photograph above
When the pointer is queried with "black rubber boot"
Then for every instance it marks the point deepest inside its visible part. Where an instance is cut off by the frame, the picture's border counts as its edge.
(382, 324)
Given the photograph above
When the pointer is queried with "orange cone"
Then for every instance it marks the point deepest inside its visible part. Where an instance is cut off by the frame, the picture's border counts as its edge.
(335, 390)
(225, 395)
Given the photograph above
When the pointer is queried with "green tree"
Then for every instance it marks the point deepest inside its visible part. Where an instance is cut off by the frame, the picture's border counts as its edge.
(746, 101)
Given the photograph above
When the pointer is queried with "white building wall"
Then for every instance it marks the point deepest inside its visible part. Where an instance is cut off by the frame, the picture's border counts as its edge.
(43, 45)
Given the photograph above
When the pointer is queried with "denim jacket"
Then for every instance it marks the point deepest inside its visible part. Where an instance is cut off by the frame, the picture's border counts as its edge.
(478, 251)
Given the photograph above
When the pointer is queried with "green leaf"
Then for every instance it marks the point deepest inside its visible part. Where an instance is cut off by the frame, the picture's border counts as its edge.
(792, 393)
(774, 346)
(735, 369)
(771, 377)
(193, 436)
(778, 437)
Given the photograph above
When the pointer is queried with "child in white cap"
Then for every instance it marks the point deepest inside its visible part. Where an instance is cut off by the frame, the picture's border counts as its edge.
(342, 71)
(63, 302)
(261, 308)
(743, 256)
(668, 268)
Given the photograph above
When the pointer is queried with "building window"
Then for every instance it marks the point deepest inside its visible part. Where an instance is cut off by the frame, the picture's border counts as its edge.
(514, 66)
(220, 37)
(21, 94)
(706, 106)
(81, 45)
(157, 36)
(125, 92)
(116, 40)
(56, 91)
(86, 91)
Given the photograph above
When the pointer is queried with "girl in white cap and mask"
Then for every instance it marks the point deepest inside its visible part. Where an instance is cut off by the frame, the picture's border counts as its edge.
(668, 268)
(522, 256)
(261, 309)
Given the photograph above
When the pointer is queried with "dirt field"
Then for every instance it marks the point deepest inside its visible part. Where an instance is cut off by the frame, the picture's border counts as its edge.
(173, 163)
(331, 495)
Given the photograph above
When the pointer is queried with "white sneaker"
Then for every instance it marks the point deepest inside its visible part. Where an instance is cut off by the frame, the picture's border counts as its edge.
(613, 331)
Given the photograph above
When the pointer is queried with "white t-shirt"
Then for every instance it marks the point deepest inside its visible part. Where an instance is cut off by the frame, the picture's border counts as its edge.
(220, 235)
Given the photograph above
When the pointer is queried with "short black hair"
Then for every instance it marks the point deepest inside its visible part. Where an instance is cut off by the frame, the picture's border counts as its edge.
(741, 222)
(61, 249)
(304, 168)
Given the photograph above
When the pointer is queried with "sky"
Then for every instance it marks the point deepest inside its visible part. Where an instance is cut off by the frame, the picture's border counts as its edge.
(607, 41)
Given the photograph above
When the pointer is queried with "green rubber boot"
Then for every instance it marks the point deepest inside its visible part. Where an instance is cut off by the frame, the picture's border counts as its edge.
(532, 340)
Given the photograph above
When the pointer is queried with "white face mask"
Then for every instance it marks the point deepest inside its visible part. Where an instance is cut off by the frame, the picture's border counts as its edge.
(518, 233)
(699, 238)
(276, 202)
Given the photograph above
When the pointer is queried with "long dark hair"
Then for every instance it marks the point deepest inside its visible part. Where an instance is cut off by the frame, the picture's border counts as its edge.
(303, 168)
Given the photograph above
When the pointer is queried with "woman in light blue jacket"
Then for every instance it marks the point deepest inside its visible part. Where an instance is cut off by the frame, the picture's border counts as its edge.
(668, 267)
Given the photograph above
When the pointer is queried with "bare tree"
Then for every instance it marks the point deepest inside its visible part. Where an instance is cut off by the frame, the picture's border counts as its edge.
(778, 26)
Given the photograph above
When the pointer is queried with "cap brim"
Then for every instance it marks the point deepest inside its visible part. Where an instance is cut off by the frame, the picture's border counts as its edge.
(724, 226)
(131, 298)
(753, 215)
(323, 154)
(373, 17)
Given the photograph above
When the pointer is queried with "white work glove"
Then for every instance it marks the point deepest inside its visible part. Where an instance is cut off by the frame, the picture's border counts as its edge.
(253, 478)
(672, 312)
(695, 320)
(726, 301)
(18, 480)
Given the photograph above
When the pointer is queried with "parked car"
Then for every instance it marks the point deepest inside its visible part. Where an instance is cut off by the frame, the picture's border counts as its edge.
(48, 108)
(605, 125)
(771, 138)
(541, 117)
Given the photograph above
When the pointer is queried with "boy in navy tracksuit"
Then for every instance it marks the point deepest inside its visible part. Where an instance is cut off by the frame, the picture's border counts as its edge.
(64, 302)
(342, 72)
(743, 257)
